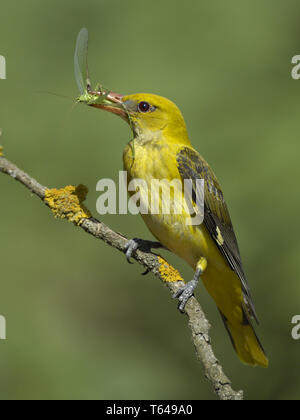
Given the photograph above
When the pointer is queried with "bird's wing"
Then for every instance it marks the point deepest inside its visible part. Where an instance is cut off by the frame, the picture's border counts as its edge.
(216, 216)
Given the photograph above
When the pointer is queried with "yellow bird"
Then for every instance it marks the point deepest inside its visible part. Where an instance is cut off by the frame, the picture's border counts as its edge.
(161, 150)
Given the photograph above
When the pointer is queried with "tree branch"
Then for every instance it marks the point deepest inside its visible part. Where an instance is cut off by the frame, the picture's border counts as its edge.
(66, 203)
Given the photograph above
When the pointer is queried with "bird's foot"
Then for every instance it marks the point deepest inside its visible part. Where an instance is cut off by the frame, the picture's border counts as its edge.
(185, 293)
(134, 244)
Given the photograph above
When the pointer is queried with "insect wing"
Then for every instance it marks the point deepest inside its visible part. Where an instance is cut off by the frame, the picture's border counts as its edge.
(80, 61)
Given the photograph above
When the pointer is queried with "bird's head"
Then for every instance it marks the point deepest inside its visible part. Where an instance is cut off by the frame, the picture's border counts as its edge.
(150, 116)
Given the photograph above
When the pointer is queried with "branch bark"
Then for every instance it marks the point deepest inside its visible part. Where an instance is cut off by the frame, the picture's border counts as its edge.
(67, 203)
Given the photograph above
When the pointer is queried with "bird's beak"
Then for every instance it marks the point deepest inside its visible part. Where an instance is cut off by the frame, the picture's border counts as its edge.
(113, 103)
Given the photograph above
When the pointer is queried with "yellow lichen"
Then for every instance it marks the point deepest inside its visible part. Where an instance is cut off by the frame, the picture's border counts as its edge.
(167, 272)
(66, 203)
(1, 151)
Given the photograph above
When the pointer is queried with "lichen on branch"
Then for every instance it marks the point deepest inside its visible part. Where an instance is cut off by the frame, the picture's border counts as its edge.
(67, 203)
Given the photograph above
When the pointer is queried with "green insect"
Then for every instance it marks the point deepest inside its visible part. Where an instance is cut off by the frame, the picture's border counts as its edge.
(100, 95)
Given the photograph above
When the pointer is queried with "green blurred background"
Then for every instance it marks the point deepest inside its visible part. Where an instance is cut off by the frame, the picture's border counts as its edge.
(81, 322)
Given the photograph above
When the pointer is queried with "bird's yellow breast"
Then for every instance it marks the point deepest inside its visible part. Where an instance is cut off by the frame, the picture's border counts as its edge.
(157, 160)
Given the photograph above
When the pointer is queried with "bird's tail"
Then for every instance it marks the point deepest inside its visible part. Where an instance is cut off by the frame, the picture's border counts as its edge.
(246, 343)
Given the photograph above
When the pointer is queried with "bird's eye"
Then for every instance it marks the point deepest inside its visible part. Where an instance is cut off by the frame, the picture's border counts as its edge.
(144, 106)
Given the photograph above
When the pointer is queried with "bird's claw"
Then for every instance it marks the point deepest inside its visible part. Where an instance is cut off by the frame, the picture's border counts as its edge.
(131, 246)
(136, 243)
(184, 294)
